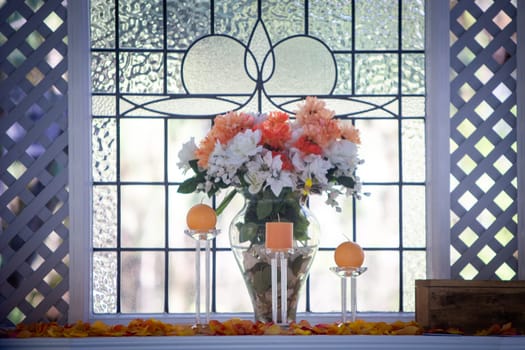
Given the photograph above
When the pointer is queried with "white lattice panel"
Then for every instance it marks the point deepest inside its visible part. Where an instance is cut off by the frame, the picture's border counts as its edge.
(483, 139)
(33, 164)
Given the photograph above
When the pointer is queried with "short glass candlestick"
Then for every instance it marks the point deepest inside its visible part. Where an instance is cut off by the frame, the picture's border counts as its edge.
(279, 260)
(346, 273)
(199, 237)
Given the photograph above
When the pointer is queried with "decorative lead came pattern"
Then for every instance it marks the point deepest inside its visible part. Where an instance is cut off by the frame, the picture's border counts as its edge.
(483, 140)
(34, 232)
(154, 84)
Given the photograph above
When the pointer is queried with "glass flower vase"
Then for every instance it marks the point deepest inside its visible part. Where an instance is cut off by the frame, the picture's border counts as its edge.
(247, 238)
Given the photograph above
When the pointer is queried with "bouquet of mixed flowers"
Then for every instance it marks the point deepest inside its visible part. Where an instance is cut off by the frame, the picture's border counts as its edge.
(273, 154)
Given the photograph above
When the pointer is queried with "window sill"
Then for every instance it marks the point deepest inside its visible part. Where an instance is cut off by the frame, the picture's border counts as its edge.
(313, 318)
(370, 342)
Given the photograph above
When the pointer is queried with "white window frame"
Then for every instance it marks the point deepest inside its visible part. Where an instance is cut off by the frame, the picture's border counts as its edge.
(437, 146)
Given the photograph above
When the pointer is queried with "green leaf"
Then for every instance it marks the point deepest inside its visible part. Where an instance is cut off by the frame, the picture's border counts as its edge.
(225, 202)
(297, 264)
(194, 165)
(247, 231)
(264, 209)
(189, 185)
(346, 181)
(262, 278)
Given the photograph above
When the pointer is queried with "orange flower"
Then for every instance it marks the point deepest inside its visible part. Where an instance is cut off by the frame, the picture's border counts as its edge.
(205, 148)
(317, 122)
(275, 130)
(350, 133)
(225, 127)
(307, 146)
(322, 131)
(313, 109)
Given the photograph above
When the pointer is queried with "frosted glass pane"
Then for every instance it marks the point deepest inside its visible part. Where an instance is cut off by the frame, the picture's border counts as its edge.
(215, 65)
(336, 227)
(413, 73)
(414, 267)
(103, 70)
(104, 145)
(229, 275)
(376, 24)
(344, 74)
(283, 18)
(142, 282)
(104, 216)
(181, 282)
(337, 35)
(378, 287)
(378, 217)
(303, 66)
(376, 74)
(379, 149)
(413, 106)
(143, 216)
(325, 286)
(179, 204)
(413, 138)
(141, 72)
(104, 282)
(235, 18)
(140, 24)
(187, 21)
(103, 105)
(414, 225)
(141, 150)
(174, 78)
(102, 23)
(413, 13)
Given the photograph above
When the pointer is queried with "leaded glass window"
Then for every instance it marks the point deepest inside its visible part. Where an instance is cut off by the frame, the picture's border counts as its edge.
(161, 71)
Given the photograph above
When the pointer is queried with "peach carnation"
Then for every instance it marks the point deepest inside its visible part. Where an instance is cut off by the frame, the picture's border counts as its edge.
(313, 109)
(322, 131)
(225, 127)
(350, 133)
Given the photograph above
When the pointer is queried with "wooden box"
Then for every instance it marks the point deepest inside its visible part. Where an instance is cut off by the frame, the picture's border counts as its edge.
(469, 305)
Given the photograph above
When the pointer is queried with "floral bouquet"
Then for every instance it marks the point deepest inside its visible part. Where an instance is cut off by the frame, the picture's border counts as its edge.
(276, 162)
(273, 155)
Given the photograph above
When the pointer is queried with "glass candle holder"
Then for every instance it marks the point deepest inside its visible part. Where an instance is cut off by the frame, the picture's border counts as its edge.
(346, 273)
(199, 237)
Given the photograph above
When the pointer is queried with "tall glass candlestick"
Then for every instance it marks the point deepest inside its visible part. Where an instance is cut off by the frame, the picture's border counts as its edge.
(199, 237)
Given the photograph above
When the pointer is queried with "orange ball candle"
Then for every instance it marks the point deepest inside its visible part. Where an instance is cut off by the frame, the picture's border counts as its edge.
(279, 235)
(201, 217)
(349, 254)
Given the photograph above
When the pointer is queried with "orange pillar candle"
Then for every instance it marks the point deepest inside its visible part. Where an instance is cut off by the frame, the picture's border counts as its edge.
(279, 235)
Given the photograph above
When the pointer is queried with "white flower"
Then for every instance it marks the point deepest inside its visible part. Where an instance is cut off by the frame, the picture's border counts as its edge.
(311, 166)
(186, 154)
(266, 171)
(343, 154)
(318, 167)
(222, 167)
(244, 145)
(257, 171)
(277, 183)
